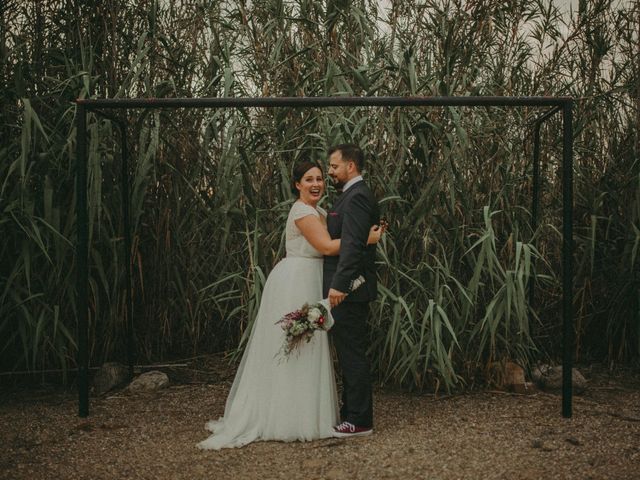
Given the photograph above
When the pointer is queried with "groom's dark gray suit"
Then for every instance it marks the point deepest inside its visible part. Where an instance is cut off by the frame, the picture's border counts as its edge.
(350, 220)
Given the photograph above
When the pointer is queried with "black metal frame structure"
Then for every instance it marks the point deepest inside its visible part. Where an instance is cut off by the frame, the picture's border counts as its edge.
(556, 104)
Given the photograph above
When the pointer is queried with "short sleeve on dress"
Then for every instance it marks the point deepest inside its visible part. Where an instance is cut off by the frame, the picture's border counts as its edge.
(301, 209)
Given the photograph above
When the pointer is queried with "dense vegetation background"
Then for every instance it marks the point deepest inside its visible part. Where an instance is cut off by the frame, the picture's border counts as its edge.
(209, 187)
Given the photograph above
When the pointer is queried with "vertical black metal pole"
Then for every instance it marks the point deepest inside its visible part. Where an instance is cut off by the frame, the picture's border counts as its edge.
(82, 257)
(127, 243)
(536, 176)
(535, 200)
(567, 256)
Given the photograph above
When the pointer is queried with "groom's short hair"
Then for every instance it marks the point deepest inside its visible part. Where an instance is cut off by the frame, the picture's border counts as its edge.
(350, 153)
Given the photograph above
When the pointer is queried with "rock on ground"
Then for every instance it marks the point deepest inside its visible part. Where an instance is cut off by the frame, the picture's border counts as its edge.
(108, 377)
(549, 379)
(148, 381)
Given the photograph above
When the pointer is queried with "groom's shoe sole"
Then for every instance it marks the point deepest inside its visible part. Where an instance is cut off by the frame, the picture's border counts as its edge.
(354, 434)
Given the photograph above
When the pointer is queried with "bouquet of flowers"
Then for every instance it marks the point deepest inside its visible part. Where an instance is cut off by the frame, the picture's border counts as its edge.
(300, 325)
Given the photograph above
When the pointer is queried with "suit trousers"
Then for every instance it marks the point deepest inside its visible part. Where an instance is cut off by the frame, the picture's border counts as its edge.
(350, 335)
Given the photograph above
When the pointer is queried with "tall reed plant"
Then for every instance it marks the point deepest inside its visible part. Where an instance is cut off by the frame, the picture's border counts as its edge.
(209, 188)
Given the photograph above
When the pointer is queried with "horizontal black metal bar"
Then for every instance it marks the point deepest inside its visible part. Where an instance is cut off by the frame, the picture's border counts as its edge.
(240, 102)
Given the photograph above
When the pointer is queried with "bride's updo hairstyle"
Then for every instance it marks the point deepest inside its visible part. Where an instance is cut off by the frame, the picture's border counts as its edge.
(298, 172)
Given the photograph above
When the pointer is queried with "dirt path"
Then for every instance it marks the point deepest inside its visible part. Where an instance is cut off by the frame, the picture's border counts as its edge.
(486, 435)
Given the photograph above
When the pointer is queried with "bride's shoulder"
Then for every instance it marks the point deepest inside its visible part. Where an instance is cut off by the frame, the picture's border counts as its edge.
(300, 209)
(322, 211)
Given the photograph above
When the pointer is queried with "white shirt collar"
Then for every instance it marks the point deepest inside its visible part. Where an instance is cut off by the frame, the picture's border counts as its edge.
(351, 182)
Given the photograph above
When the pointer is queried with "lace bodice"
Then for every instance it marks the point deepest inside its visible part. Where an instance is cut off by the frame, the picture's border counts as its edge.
(296, 244)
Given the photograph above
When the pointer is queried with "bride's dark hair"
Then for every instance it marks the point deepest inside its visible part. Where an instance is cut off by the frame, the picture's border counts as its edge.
(299, 170)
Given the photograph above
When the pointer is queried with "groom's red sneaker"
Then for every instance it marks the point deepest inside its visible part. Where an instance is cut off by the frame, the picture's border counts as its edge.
(346, 429)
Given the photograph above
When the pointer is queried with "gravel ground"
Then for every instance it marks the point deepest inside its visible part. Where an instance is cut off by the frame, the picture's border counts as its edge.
(480, 435)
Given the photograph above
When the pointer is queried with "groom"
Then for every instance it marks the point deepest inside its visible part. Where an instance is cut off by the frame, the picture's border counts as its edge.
(353, 214)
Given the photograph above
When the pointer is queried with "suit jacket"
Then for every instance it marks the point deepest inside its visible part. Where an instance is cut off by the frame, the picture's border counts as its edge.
(352, 216)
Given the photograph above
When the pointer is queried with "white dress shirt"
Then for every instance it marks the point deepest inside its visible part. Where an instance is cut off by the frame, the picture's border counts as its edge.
(351, 182)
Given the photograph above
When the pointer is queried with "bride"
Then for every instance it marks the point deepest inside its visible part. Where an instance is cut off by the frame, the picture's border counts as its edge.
(287, 399)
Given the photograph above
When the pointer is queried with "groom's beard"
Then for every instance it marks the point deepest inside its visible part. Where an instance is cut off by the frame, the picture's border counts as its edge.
(339, 185)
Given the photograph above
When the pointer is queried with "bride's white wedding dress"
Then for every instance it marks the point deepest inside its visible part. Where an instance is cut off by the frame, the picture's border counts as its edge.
(272, 397)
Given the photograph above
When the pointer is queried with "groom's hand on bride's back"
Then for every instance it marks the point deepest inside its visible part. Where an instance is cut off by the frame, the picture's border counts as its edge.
(336, 297)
